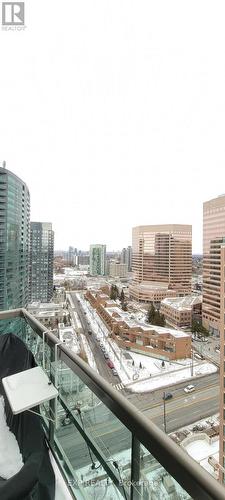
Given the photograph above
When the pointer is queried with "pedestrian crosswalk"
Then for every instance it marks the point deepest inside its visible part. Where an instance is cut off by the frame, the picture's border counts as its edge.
(119, 387)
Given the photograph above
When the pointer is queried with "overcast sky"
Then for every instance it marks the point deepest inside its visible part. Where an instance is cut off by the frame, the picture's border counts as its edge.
(113, 113)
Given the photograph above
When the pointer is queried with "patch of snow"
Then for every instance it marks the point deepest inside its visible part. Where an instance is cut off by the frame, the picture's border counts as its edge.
(10, 457)
(200, 449)
(89, 354)
(61, 490)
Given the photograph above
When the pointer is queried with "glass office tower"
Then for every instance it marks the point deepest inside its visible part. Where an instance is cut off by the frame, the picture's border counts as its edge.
(41, 261)
(14, 240)
(97, 260)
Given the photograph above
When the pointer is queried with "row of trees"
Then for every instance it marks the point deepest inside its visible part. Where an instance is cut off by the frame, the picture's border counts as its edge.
(197, 329)
(154, 317)
(115, 294)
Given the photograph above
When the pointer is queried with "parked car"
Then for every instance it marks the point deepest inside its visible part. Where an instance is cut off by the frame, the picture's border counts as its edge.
(167, 395)
(114, 372)
(90, 332)
(197, 356)
(110, 364)
(198, 427)
(102, 348)
(106, 356)
(189, 388)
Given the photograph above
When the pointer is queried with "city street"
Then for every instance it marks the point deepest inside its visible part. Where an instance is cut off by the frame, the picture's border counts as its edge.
(103, 369)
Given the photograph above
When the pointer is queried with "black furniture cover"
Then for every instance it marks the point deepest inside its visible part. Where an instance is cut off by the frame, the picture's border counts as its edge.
(36, 480)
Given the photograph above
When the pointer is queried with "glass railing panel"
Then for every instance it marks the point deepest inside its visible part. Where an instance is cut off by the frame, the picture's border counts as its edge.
(108, 434)
(84, 474)
(39, 347)
(155, 482)
(14, 325)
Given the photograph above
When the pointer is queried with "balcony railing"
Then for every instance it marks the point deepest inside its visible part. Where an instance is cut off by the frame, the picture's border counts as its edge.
(102, 443)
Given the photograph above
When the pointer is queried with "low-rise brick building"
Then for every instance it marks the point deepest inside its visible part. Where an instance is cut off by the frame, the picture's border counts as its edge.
(130, 333)
(179, 311)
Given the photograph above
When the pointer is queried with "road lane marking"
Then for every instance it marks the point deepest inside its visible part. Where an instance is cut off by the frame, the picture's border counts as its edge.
(118, 386)
(158, 403)
(173, 410)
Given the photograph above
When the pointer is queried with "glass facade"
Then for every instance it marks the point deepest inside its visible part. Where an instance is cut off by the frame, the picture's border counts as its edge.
(41, 261)
(14, 241)
(97, 259)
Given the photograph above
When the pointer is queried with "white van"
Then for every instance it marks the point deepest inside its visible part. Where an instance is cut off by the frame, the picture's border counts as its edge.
(189, 388)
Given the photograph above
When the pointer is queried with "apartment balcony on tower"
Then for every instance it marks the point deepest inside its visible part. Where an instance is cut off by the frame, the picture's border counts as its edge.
(76, 437)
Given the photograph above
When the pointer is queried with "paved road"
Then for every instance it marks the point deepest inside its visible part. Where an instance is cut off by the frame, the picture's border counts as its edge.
(103, 369)
(145, 400)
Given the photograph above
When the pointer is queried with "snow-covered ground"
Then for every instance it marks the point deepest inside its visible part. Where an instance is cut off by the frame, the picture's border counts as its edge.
(201, 450)
(138, 372)
(89, 354)
(10, 457)
(199, 445)
(61, 490)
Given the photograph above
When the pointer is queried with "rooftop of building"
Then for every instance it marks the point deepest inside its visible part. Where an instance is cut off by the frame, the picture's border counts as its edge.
(152, 285)
(4, 170)
(44, 306)
(165, 227)
(181, 303)
(215, 202)
(132, 323)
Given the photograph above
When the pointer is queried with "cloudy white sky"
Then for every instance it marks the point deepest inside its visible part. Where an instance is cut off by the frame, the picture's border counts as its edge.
(113, 113)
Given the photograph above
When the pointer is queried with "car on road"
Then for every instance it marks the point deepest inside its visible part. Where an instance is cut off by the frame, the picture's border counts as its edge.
(189, 388)
(110, 364)
(167, 396)
(198, 427)
(114, 372)
(197, 356)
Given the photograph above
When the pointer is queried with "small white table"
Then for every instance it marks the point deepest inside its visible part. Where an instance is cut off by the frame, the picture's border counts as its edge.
(27, 389)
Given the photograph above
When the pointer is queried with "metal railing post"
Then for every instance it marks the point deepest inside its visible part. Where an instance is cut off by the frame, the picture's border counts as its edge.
(52, 403)
(135, 469)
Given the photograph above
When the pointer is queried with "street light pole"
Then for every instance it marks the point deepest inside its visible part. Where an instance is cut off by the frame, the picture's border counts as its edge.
(164, 411)
(192, 363)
